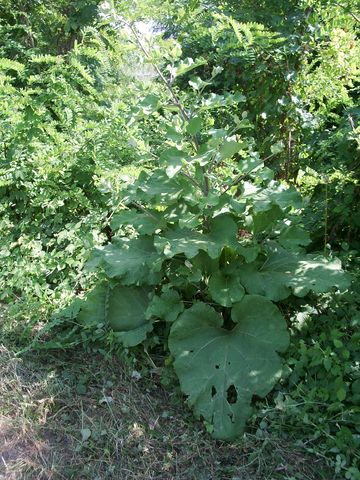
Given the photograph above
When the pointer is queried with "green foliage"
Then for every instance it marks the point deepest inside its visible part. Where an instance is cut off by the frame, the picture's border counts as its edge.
(206, 255)
(283, 271)
(320, 395)
(191, 234)
(62, 145)
(43, 27)
(122, 308)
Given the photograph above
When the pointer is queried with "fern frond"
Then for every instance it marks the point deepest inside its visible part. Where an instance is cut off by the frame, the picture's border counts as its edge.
(7, 64)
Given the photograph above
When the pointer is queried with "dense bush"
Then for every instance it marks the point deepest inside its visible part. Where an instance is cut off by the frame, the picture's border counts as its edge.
(210, 244)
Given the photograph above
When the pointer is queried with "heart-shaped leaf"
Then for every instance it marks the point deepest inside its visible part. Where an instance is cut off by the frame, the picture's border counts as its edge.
(219, 369)
(226, 289)
(133, 260)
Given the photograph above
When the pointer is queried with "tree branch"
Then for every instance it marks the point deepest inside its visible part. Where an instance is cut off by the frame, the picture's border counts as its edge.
(347, 10)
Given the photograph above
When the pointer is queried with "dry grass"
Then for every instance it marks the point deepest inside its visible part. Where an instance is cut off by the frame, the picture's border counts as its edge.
(49, 405)
(78, 416)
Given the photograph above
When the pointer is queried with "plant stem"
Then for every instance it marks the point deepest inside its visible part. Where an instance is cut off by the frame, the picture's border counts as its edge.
(177, 102)
(326, 218)
(159, 72)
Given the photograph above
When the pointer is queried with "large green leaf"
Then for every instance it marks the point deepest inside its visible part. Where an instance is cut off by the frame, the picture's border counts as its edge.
(145, 223)
(133, 260)
(181, 240)
(263, 221)
(293, 236)
(189, 242)
(126, 314)
(219, 369)
(119, 307)
(158, 188)
(182, 213)
(167, 306)
(93, 310)
(249, 250)
(261, 200)
(285, 197)
(283, 272)
(223, 233)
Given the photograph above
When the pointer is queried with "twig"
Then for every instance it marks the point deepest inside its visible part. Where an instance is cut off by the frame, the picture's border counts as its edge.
(159, 72)
(355, 17)
(287, 169)
(192, 180)
(326, 236)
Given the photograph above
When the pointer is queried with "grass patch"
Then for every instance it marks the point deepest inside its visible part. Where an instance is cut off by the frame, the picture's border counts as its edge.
(75, 416)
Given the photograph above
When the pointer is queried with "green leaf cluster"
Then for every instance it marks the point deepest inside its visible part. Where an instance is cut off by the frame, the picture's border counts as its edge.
(199, 257)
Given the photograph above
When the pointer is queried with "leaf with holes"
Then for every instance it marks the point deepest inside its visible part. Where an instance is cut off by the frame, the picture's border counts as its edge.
(221, 369)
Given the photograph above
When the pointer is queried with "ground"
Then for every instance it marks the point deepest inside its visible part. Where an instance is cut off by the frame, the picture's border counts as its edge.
(74, 415)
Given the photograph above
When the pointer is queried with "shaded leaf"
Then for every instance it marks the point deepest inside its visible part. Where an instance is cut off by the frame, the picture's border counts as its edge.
(145, 223)
(121, 308)
(133, 260)
(126, 314)
(229, 148)
(226, 289)
(189, 242)
(293, 236)
(173, 159)
(194, 125)
(167, 306)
